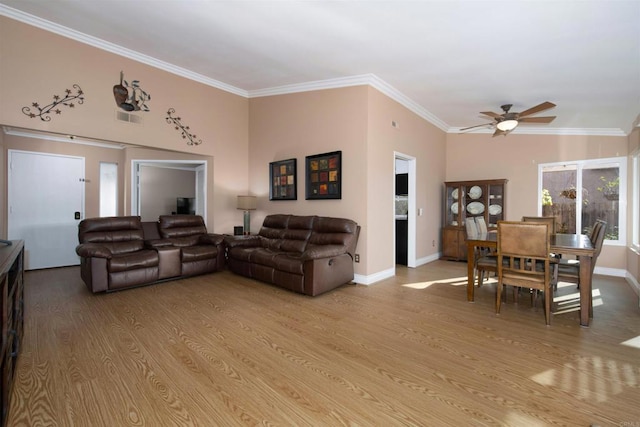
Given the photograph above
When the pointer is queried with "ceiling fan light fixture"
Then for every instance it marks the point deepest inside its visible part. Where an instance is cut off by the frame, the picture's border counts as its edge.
(507, 125)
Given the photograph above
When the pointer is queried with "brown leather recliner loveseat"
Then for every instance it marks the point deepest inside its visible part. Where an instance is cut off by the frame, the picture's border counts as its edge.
(305, 254)
(122, 252)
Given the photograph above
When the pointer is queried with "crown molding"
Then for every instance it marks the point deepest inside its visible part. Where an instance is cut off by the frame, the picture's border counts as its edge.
(549, 131)
(359, 80)
(118, 50)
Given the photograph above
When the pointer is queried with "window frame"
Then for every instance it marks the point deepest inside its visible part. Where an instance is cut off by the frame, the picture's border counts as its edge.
(635, 201)
(591, 164)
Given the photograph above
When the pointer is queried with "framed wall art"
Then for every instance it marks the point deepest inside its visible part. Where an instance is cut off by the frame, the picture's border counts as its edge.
(324, 176)
(283, 181)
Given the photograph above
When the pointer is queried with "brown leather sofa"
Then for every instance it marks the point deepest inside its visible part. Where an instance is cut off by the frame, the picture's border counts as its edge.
(122, 252)
(305, 254)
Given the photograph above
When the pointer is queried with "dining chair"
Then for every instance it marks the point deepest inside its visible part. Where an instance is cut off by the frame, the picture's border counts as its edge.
(569, 269)
(546, 219)
(554, 257)
(471, 227)
(524, 259)
(481, 224)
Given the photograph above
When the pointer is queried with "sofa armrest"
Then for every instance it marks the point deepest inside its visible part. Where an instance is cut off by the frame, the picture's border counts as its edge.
(96, 250)
(157, 243)
(211, 239)
(242, 241)
(323, 251)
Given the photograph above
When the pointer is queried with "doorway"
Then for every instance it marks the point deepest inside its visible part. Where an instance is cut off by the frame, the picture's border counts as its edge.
(195, 190)
(404, 209)
(39, 213)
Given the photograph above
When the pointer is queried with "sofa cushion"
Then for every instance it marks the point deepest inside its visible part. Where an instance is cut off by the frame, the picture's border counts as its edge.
(263, 256)
(198, 253)
(333, 231)
(181, 225)
(118, 234)
(240, 253)
(295, 237)
(289, 263)
(145, 258)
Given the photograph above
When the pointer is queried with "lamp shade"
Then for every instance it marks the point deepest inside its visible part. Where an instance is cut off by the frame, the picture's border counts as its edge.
(247, 203)
(507, 125)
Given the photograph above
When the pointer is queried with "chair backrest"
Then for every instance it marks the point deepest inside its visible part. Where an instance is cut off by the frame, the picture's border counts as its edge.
(523, 254)
(481, 224)
(472, 228)
(599, 240)
(593, 236)
(524, 239)
(546, 219)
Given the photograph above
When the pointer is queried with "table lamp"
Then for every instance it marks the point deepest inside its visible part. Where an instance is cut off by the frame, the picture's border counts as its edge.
(247, 203)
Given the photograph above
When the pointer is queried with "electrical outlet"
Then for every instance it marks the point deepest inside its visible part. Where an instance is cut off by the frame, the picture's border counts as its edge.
(356, 258)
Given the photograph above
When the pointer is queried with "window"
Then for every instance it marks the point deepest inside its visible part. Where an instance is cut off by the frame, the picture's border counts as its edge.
(108, 189)
(602, 193)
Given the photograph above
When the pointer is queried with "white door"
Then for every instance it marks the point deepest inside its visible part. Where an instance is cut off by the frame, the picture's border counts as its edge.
(46, 203)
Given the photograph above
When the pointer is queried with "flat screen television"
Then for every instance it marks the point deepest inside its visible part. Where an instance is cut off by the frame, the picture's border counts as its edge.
(186, 205)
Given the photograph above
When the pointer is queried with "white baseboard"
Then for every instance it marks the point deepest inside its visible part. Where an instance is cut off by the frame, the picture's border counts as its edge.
(385, 274)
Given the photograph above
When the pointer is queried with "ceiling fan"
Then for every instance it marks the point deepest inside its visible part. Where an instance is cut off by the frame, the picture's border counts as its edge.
(506, 122)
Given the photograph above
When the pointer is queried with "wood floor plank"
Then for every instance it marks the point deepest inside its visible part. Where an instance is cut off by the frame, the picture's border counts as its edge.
(226, 350)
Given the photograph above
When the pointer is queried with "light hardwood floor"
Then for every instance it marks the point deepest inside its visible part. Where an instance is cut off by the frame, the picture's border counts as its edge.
(222, 350)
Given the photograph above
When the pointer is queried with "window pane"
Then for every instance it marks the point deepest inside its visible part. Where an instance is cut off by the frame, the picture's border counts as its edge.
(108, 189)
(559, 196)
(601, 185)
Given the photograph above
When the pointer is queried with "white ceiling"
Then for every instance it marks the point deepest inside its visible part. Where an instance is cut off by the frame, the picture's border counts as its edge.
(446, 60)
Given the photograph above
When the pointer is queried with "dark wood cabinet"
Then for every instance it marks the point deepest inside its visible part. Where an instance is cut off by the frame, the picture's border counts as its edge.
(12, 294)
(484, 199)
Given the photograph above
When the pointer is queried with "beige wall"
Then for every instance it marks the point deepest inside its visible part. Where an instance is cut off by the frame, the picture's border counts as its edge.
(413, 137)
(303, 124)
(516, 158)
(162, 186)
(357, 121)
(241, 136)
(35, 65)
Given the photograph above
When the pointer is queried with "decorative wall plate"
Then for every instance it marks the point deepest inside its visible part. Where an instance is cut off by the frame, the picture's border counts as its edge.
(475, 192)
(454, 208)
(475, 208)
(454, 194)
(495, 209)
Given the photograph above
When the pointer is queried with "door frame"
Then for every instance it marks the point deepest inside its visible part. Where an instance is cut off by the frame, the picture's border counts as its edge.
(411, 207)
(195, 165)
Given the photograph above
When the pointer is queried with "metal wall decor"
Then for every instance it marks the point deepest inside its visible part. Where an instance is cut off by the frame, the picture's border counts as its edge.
(175, 121)
(67, 101)
(130, 97)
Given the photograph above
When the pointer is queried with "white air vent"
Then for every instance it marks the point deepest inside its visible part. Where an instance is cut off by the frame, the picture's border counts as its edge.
(123, 116)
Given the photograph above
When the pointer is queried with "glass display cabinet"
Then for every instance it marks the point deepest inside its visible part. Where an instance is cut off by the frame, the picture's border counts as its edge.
(470, 199)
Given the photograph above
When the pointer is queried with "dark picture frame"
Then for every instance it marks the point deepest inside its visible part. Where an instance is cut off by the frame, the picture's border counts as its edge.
(324, 176)
(283, 183)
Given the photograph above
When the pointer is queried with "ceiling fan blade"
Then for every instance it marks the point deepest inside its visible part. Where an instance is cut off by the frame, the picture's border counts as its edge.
(499, 132)
(490, 114)
(548, 119)
(537, 108)
(476, 126)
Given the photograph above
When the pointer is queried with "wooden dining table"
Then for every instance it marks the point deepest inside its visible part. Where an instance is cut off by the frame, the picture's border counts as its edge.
(578, 245)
